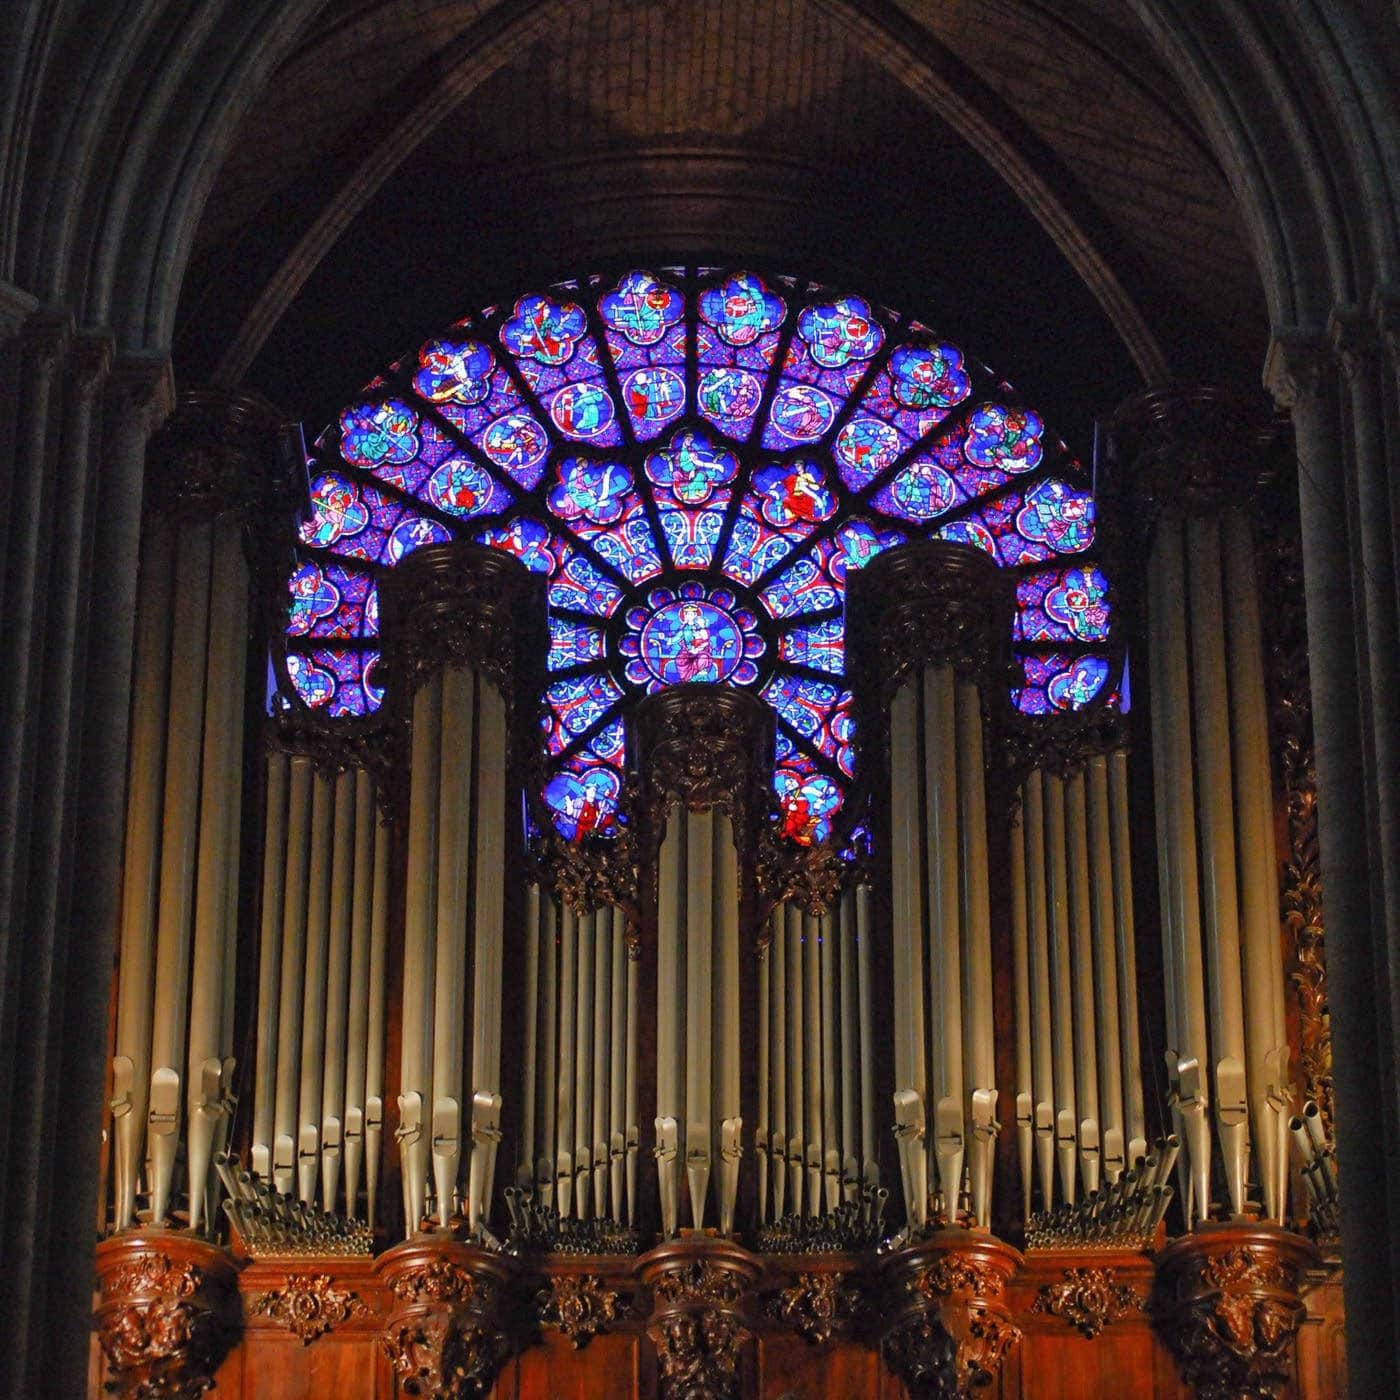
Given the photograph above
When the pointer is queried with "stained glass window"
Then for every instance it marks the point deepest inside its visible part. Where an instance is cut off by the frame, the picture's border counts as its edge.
(697, 460)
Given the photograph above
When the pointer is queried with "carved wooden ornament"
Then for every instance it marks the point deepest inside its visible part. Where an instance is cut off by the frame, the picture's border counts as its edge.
(1088, 1299)
(309, 1305)
(579, 1306)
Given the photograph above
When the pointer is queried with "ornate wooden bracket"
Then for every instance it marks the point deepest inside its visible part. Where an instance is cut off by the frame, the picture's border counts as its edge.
(817, 1305)
(948, 1327)
(452, 1324)
(1227, 1303)
(309, 1305)
(580, 1306)
(1088, 1299)
(167, 1313)
(698, 1322)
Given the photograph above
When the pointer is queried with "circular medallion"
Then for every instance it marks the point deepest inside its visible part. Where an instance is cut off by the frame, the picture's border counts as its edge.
(690, 641)
(802, 413)
(581, 410)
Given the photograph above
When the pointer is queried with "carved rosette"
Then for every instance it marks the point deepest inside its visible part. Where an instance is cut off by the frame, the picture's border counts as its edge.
(1192, 449)
(166, 1315)
(1088, 1299)
(816, 1306)
(309, 1305)
(452, 1324)
(1227, 1304)
(698, 1322)
(947, 1326)
(218, 452)
(925, 604)
(580, 1306)
(461, 604)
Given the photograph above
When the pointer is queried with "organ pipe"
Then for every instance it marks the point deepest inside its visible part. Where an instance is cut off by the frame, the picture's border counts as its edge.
(549, 960)
(777, 1156)
(796, 1055)
(338, 993)
(1061, 986)
(1043, 1061)
(812, 1051)
(633, 1126)
(131, 1066)
(275, 852)
(830, 1028)
(583, 1065)
(670, 1106)
(617, 1045)
(564, 1107)
(1105, 971)
(358, 1010)
(765, 1070)
(1021, 992)
(534, 935)
(602, 1084)
(290, 996)
(374, 1051)
(726, 992)
(313, 1006)
(864, 974)
(1086, 1048)
(1135, 1117)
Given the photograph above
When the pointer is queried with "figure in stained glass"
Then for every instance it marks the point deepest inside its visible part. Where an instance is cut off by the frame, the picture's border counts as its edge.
(802, 413)
(692, 467)
(412, 534)
(654, 395)
(641, 308)
(869, 445)
(840, 331)
(336, 511)
(1074, 688)
(928, 376)
(581, 410)
(372, 433)
(1058, 515)
(792, 492)
(729, 393)
(1078, 602)
(528, 540)
(806, 804)
(459, 486)
(923, 489)
(454, 371)
(544, 329)
(515, 442)
(742, 309)
(595, 491)
(1003, 437)
(313, 596)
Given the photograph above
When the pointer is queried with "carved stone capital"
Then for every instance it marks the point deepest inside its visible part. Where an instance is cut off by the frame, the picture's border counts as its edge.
(580, 1306)
(1227, 1304)
(141, 391)
(89, 360)
(947, 1326)
(452, 1321)
(1298, 366)
(698, 1323)
(166, 1315)
(43, 339)
(923, 604)
(16, 307)
(217, 453)
(1191, 449)
(309, 1305)
(1385, 312)
(376, 743)
(462, 604)
(817, 1306)
(1354, 339)
(1088, 1299)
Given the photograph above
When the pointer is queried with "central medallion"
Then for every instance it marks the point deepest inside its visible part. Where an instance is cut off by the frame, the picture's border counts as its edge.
(691, 636)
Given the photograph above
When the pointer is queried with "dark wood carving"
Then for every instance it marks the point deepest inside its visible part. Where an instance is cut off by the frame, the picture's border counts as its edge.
(166, 1313)
(452, 1323)
(1088, 1299)
(816, 1305)
(309, 1305)
(1227, 1302)
(580, 1306)
(698, 1323)
(947, 1325)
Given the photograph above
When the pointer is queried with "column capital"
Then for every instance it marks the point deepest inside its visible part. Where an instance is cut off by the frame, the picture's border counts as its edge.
(142, 389)
(16, 307)
(90, 361)
(1191, 449)
(1298, 364)
(1385, 313)
(43, 340)
(1353, 337)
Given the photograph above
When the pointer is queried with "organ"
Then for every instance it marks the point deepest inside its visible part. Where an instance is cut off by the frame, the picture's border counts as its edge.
(503, 1003)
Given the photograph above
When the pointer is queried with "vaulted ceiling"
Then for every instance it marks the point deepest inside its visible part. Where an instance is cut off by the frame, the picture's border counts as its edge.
(415, 158)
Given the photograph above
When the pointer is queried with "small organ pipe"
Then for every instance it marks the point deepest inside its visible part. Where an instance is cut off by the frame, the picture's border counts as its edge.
(765, 1070)
(1135, 1120)
(1215, 814)
(357, 1018)
(812, 1028)
(583, 1067)
(778, 1007)
(269, 963)
(564, 1109)
(525, 1169)
(797, 1101)
(1086, 1054)
(1266, 1038)
(1042, 1064)
(617, 1043)
(374, 1051)
(290, 998)
(1062, 985)
(1021, 991)
(337, 993)
(313, 1005)
(1105, 938)
(978, 1028)
(179, 844)
(602, 1025)
(844, 931)
(1171, 711)
(633, 1124)
(870, 1168)
(943, 923)
(453, 855)
(700, 899)
(131, 1066)
(221, 778)
(415, 1094)
(489, 929)
(727, 1105)
(830, 1029)
(545, 1169)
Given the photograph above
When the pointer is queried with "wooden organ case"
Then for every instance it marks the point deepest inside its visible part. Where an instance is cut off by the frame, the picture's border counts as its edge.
(1028, 1098)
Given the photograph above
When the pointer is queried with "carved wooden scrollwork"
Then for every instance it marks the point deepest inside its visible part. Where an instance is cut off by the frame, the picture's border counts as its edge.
(698, 1324)
(167, 1314)
(948, 1326)
(1227, 1304)
(816, 1306)
(309, 1305)
(1088, 1299)
(580, 1306)
(452, 1323)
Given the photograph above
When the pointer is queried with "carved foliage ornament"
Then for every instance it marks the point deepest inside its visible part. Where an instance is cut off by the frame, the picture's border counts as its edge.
(815, 1306)
(935, 1363)
(1230, 1319)
(309, 1305)
(697, 1329)
(161, 1327)
(579, 1306)
(1088, 1299)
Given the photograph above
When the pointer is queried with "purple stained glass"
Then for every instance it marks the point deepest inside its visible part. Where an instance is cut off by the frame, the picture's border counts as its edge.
(706, 559)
